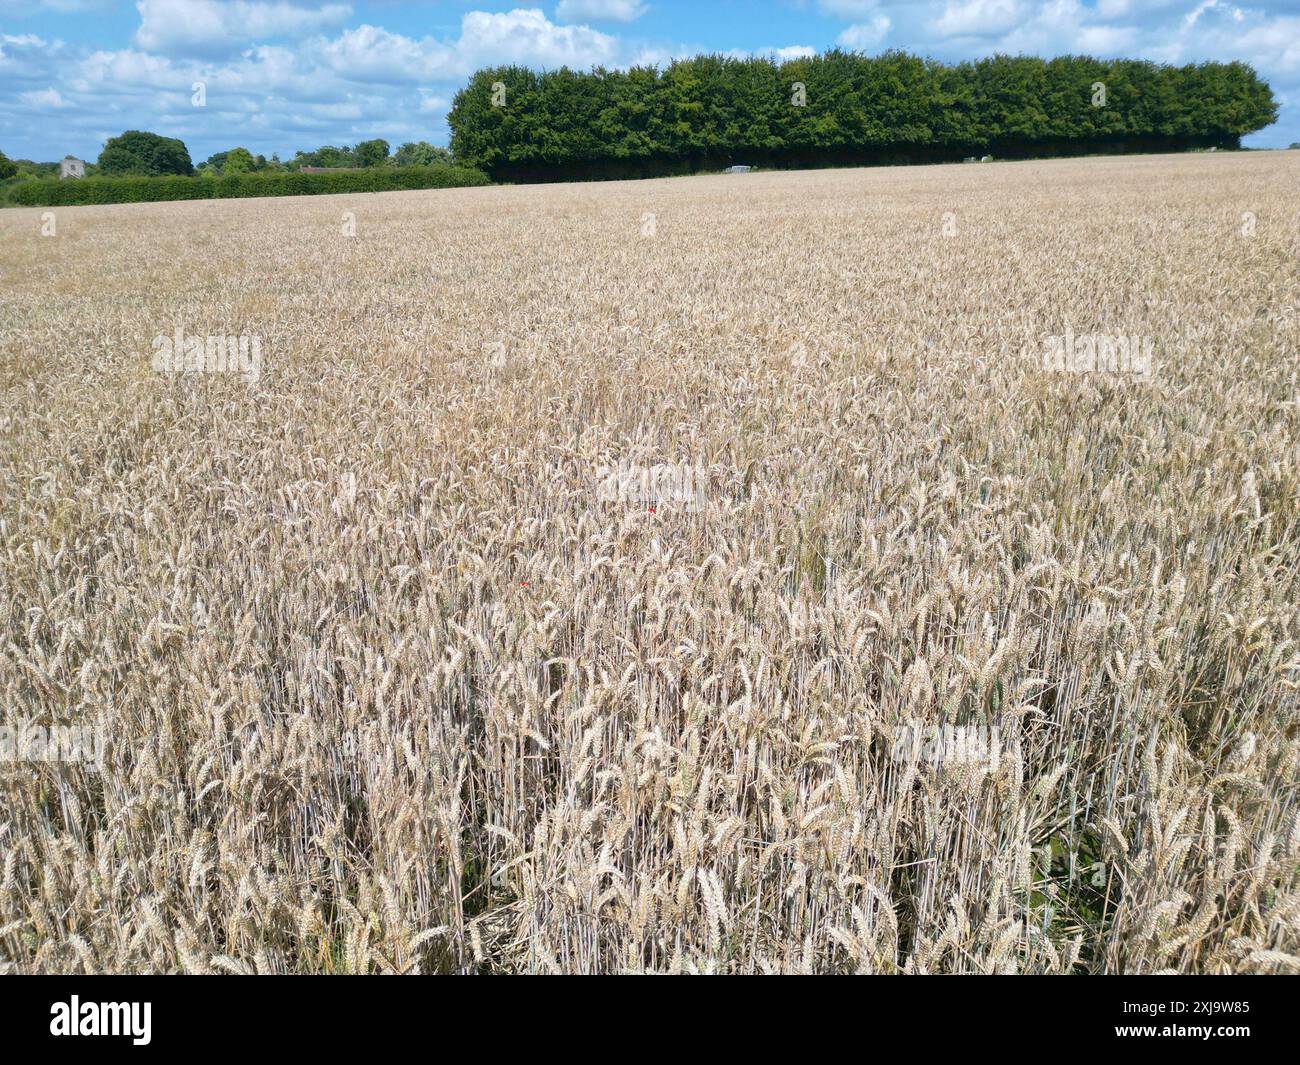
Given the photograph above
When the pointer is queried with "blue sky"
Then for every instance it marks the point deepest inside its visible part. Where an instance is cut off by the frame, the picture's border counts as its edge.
(282, 75)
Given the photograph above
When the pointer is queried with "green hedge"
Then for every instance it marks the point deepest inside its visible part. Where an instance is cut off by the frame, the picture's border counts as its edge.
(710, 111)
(80, 191)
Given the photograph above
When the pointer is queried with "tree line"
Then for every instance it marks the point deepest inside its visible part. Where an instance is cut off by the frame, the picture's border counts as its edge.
(141, 166)
(369, 153)
(842, 108)
(139, 153)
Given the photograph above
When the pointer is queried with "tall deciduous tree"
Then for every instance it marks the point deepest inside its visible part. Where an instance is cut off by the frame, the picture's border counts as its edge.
(138, 152)
(239, 161)
(372, 153)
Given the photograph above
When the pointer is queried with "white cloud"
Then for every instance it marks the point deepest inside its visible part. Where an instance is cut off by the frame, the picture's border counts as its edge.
(1059, 27)
(781, 55)
(869, 26)
(1271, 45)
(523, 36)
(44, 99)
(110, 72)
(864, 35)
(371, 54)
(26, 40)
(1105, 40)
(600, 10)
(1189, 20)
(211, 28)
(23, 56)
(337, 88)
(979, 17)
(526, 36)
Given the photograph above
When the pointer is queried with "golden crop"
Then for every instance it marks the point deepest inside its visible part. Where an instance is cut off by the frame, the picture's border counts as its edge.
(586, 577)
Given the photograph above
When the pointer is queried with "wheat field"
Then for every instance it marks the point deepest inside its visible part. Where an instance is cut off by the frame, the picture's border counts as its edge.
(695, 575)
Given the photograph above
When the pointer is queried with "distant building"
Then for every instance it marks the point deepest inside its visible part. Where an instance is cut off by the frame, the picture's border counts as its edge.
(71, 167)
(738, 170)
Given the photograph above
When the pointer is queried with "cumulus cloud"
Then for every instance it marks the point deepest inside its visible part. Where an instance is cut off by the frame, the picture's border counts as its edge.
(14, 42)
(526, 36)
(111, 72)
(359, 82)
(44, 99)
(217, 27)
(1059, 27)
(1191, 18)
(781, 55)
(978, 17)
(869, 26)
(26, 56)
(523, 36)
(864, 35)
(1221, 31)
(372, 54)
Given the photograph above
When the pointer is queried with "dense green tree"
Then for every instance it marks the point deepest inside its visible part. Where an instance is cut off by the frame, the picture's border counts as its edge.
(420, 153)
(372, 153)
(27, 168)
(236, 161)
(327, 155)
(7, 168)
(842, 107)
(239, 161)
(118, 162)
(138, 152)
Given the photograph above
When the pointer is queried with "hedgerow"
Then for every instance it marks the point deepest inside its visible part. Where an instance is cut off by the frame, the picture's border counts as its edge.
(231, 186)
